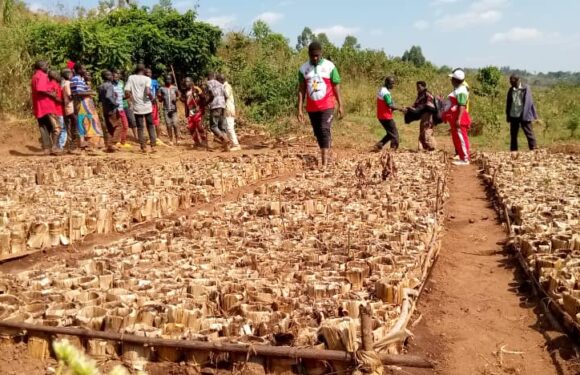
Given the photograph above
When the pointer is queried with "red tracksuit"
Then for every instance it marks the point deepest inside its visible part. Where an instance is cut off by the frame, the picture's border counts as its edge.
(195, 110)
(451, 115)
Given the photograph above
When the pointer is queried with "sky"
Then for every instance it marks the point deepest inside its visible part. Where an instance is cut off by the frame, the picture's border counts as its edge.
(536, 35)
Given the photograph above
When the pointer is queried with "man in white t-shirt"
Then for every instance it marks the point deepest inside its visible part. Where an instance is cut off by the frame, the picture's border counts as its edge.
(230, 113)
(138, 92)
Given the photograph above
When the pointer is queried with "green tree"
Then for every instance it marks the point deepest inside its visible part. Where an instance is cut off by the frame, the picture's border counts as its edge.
(305, 38)
(489, 79)
(122, 37)
(414, 56)
(322, 38)
(488, 114)
(351, 42)
(261, 30)
(163, 5)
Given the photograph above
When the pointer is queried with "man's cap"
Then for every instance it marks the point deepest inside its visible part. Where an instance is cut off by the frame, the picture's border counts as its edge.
(458, 74)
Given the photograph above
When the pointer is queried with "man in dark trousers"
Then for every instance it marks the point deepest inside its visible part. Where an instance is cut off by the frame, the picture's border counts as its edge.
(520, 112)
(109, 101)
(319, 87)
(385, 108)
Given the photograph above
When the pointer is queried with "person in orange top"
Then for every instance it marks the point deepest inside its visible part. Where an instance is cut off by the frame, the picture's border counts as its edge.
(43, 97)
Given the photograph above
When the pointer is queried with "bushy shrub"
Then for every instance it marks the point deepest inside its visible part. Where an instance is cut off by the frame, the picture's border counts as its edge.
(160, 39)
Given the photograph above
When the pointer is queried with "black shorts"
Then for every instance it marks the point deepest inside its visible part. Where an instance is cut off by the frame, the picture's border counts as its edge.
(322, 124)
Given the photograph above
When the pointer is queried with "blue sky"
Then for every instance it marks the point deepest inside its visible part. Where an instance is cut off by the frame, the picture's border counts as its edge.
(536, 35)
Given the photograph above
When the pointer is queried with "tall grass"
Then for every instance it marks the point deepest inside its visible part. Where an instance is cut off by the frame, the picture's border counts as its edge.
(15, 60)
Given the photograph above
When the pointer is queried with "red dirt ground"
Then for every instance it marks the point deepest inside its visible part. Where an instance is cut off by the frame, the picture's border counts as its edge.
(477, 302)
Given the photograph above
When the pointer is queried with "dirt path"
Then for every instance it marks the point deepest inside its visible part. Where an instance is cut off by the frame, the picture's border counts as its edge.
(476, 303)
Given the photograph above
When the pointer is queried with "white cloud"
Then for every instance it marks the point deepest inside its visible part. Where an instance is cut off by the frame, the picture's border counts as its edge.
(421, 25)
(223, 22)
(480, 12)
(337, 32)
(269, 17)
(524, 35)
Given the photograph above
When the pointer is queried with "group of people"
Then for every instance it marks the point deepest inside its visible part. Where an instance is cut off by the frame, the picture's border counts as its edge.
(319, 87)
(68, 119)
(67, 115)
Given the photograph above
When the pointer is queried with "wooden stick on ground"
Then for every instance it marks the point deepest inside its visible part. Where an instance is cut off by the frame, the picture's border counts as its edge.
(223, 347)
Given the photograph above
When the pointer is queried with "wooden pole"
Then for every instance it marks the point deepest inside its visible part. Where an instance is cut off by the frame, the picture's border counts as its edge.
(174, 77)
(367, 328)
(223, 347)
(507, 220)
(437, 199)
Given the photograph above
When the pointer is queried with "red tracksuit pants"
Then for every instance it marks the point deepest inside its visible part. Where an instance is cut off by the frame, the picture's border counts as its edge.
(460, 140)
(195, 127)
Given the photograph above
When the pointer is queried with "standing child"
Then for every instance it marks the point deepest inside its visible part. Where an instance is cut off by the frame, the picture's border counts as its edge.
(195, 104)
(128, 109)
(108, 99)
(385, 108)
(70, 120)
(59, 130)
(168, 95)
(154, 91)
(119, 88)
(456, 114)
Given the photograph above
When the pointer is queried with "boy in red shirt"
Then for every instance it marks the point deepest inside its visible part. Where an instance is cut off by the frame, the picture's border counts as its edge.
(43, 99)
(195, 105)
(59, 130)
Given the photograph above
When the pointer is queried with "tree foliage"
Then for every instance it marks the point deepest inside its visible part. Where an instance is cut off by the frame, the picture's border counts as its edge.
(489, 78)
(160, 39)
(489, 114)
(257, 66)
(414, 56)
(351, 42)
(305, 38)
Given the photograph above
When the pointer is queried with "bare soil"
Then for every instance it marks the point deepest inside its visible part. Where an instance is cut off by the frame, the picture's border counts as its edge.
(479, 313)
